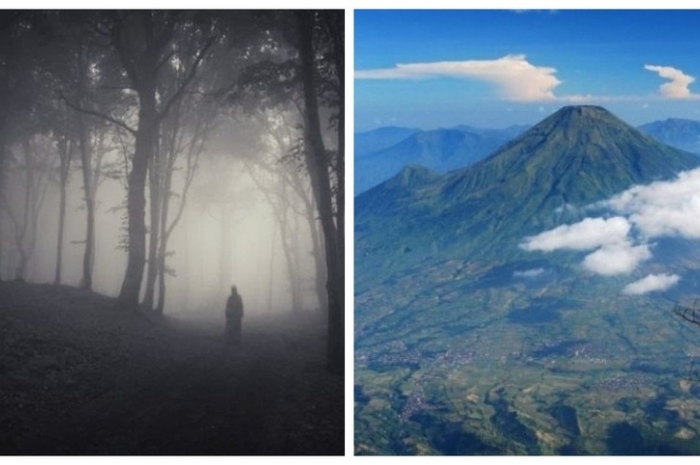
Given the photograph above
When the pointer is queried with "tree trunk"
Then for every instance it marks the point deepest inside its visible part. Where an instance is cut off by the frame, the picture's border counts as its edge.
(317, 163)
(20, 236)
(65, 155)
(155, 188)
(61, 224)
(86, 165)
(337, 25)
(164, 236)
(136, 196)
(319, 260)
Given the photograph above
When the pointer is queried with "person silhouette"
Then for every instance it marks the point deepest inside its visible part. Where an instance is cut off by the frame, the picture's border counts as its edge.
(234, 317)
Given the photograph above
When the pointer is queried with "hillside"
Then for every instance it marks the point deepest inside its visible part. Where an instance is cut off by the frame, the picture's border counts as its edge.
(575, 157)
(439, 150)
(80, 376)
(467, 342)
(681, 133)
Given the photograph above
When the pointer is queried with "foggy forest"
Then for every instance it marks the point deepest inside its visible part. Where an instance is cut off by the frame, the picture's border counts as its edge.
(149, 162)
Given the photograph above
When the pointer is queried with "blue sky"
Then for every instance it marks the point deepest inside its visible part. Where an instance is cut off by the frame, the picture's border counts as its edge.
(496, 68)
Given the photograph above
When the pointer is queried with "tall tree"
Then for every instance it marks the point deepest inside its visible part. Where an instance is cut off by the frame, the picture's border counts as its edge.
(182, 132)
(19, 84)
(65, 152)
(79, 64)
(317, 161)
(301, 62)
(144, 42)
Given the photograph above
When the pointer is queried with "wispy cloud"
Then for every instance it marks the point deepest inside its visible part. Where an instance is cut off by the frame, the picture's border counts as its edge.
(517, 79)
(651, 283)
(678, 85)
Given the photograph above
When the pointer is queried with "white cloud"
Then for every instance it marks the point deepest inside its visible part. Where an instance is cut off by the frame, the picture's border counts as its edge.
(659, 209)
(652, 282)
(613, 259)
(532, 273)
(662, 208)
(517, 79)
(588, 234)
(678, 85)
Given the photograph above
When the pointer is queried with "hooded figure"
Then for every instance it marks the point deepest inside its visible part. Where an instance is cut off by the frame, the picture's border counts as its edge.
(234, 317)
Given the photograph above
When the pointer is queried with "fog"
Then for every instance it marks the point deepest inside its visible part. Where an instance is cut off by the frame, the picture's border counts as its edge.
(228, 233)
(205, 154)
(172, 232)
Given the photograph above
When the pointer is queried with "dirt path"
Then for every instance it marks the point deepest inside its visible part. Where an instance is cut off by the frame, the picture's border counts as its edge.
(186, 393)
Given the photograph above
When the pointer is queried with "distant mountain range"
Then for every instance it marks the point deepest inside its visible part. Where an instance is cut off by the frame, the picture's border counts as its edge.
(680, 133)
(382, 153)
(578, 155)
(462, 333)
(380, 138)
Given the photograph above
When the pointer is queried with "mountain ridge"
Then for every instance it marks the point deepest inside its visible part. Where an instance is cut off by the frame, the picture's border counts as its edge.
(677, 132)
(578, 155)
(461, 330)
(440, 150)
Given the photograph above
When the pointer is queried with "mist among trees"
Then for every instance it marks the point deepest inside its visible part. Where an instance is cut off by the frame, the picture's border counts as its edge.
(160, 157)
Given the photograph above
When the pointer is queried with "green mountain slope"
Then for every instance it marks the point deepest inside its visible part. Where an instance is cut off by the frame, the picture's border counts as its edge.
(576, 156)
(440, 150)
(467, 344)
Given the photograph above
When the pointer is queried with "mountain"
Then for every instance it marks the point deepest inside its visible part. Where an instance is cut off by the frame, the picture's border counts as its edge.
(676, 132)
(576, 156)
(380, 138)
(465, 343)
(440, 150)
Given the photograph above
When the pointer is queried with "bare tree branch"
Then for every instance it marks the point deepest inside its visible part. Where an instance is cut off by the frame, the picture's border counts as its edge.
(87, 111)
(186, 82)
(689, 314)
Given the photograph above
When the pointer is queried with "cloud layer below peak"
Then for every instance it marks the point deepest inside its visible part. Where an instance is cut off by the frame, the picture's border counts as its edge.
(619, 244)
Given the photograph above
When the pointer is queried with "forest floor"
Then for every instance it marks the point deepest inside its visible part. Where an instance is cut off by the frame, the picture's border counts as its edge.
(81, 376)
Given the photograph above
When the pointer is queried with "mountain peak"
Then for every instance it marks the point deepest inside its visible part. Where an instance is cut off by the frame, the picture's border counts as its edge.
(579, 154)
(581, 117)
(583, 110)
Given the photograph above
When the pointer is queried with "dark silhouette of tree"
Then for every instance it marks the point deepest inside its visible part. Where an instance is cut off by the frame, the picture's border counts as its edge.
(300, 62)
(144, 42)
(75, 84)
(318, 165)
(65, 152)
